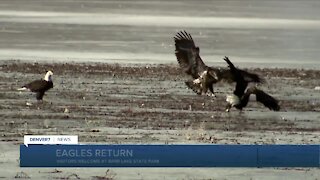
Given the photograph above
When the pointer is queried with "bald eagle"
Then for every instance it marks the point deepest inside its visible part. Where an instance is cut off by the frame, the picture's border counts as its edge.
(188, 57)
(39, 86)
(240, 97)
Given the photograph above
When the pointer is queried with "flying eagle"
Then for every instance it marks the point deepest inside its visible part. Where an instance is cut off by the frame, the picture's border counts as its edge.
(240, 97)
(39, 86)
(188, 57)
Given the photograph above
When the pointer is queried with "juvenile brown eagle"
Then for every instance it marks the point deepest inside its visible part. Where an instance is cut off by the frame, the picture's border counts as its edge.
(39, 86)
(188, 56)
(240, 97)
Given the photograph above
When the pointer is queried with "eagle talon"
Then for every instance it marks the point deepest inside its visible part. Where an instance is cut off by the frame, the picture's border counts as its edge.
(211, 95)
(228, 107)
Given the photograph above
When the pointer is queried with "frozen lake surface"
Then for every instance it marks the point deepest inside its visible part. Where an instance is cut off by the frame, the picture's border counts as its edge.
(253, 33)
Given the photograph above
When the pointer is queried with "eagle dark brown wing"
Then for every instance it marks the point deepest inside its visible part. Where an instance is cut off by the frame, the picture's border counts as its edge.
(251, 77)
(247, 76)
(187, 54)
(262, 97)
(267, 100)
(39, 85)
(241, 84)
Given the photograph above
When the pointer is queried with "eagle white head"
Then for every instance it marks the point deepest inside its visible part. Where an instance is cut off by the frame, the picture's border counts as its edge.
(48, 75)
(233, 100)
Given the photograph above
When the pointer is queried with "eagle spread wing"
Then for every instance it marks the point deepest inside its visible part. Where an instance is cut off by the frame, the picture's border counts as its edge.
(267, 100)
(187, 54)
(250, 77)
(262, 97)
(241, 83)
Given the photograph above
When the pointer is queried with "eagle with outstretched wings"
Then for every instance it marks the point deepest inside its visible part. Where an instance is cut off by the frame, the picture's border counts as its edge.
(240, 97)
(188, 57)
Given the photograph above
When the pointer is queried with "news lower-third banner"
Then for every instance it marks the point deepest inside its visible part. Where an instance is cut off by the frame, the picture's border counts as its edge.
(77, 155)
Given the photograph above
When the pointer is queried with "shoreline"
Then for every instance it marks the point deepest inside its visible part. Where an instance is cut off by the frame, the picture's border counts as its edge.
(173, 68)
(240, 62)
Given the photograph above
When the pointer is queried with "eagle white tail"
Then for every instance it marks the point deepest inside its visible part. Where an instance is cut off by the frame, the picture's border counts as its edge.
(22, 89)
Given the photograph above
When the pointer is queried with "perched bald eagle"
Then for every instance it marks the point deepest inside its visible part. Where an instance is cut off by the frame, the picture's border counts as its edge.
(188, 57)
(39, 86)
(240, 97)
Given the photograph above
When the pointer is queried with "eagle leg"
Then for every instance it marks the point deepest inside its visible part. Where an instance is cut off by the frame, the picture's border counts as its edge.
(212, 91)
(228, 107)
